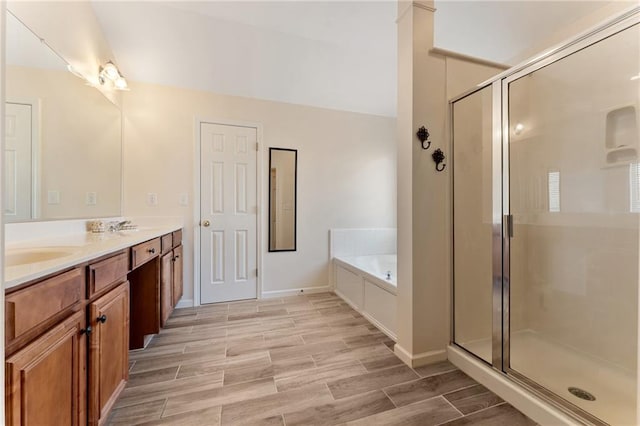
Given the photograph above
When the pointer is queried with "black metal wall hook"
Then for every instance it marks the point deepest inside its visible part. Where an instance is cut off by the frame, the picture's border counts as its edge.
(438, 157)
(423, 135)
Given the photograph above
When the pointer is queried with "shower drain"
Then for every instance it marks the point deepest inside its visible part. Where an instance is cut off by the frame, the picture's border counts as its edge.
(582, 394)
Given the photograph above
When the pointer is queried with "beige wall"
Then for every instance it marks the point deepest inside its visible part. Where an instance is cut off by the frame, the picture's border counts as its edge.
(346, 170)
(79, 140)
(3, 12)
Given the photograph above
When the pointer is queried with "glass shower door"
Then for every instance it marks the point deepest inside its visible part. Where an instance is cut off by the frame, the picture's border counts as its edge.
(472, 222)
(574, 186)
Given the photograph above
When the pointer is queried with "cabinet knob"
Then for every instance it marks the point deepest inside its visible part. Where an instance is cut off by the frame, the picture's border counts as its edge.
(102, 318)
(86, 331)
(152, 251)
(206, 223)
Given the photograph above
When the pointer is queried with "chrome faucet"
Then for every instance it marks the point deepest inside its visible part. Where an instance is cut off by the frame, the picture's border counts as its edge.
(120, 226)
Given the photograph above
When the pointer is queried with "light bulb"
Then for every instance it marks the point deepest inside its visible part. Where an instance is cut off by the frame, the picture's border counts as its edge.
(120, 83)
(110, 71)
(518, 129)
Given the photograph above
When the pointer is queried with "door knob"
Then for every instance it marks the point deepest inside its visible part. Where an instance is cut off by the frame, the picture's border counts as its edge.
(206, 223)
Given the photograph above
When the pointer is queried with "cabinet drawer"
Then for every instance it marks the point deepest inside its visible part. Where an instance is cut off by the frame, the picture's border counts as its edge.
(107, 272)
(177, 237)
(167, 243)
(143, 252)
(27, 308)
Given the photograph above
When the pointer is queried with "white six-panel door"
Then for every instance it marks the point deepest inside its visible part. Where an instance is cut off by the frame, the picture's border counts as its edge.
(17, 162)
(228, 213)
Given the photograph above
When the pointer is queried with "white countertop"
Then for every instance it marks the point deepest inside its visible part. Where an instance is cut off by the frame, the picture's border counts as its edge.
(81, 246)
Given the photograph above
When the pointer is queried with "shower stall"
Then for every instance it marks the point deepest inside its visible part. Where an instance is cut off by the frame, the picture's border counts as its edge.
(546, 203)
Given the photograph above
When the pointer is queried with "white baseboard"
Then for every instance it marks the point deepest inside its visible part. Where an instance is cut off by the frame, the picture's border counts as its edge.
(418, 360)
(294, 292)
(532, 406)
(184, 303)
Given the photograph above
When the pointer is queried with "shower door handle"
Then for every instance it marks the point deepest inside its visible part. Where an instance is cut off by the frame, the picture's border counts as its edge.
(508, 226)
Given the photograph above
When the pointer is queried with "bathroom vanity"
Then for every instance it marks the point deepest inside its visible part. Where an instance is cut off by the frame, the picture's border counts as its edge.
(72, 318)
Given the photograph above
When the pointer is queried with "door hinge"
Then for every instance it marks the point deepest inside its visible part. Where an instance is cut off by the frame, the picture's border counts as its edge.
(508, 226)
(256, 273)
(257, 146)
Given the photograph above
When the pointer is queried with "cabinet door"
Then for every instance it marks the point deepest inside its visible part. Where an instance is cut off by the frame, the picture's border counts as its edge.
(177, 274)
(46, 381)
(166, 287)
(108, 352)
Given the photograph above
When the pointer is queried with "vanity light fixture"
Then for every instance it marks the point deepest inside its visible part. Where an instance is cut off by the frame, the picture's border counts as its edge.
(73, 71)
(110, 73)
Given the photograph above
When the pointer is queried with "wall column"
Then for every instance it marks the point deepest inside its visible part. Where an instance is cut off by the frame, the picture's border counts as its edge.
(423, 194)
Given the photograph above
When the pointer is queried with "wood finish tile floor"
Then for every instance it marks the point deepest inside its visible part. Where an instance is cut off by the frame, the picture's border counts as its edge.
(304, 360)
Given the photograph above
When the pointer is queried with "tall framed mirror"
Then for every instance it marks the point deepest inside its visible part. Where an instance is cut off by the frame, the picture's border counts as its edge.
(283, 170)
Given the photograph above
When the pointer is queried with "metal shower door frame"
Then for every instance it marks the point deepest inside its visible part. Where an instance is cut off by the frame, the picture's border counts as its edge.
(502, 221)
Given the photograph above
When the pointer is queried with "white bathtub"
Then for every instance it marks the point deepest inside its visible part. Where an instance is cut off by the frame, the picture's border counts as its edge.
(369, 284)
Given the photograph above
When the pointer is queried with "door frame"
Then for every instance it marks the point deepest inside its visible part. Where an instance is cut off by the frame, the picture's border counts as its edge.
(197, 192)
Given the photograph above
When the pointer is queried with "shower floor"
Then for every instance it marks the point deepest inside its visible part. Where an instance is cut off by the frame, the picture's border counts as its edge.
(558, 367)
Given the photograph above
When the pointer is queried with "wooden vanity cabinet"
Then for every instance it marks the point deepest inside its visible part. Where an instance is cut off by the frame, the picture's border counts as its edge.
(145, 304)
(68, 341)
(108, 351)
(31, 311)
(171, 281)
(178, 283)
(45, 381)
(166, 287)
(67, 336)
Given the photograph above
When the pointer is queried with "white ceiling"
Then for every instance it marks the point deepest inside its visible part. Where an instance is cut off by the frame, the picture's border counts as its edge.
(361, 24)
(25, 49)
(334, 54)
(501, 30)
(339, 55)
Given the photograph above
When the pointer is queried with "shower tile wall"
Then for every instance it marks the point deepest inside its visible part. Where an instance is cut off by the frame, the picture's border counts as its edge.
(580, 296)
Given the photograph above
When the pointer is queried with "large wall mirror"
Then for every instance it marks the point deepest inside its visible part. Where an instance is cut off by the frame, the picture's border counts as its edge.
(63, 153)
(283, 164)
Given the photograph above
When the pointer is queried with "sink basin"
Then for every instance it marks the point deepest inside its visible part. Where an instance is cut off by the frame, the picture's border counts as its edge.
(15, 257)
